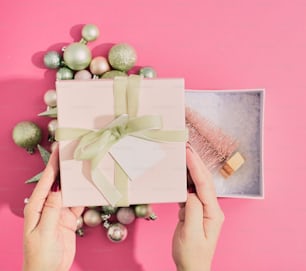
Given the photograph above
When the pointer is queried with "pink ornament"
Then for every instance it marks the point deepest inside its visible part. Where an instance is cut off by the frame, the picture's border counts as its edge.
(99, 65)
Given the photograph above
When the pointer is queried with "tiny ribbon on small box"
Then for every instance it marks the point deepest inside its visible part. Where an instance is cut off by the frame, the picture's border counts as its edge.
(94, 144)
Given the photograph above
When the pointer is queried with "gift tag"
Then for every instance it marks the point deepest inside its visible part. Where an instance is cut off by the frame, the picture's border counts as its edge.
(136, 155)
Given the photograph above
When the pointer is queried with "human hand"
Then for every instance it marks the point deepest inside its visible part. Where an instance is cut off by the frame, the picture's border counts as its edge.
(49, 229)
(200, 221)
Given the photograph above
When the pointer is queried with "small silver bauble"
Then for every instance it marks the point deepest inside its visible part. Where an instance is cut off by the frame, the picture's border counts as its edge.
(125, 215)
(112, 74)
(117, 232)
(122, 57)
(90, 32)
(83, 75)
(50, 98)
(64, 74)
(52, 126)
(77, 56)
(80, 222)
(99, 65)
(92, 218)
(147, 72)
(142, 210)
(52, 60)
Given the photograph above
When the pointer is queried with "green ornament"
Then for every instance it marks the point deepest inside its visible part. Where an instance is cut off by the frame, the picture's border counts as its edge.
(147, 72)
(109, 210)
(142, 210)
(27, 135)
(90, 32)
(113, 73)
(64, 74)
(52, 60)
(77, 56)
(122, 57)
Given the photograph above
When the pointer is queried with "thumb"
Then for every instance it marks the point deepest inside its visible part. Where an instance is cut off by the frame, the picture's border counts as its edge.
(194, 214)
(51, 211)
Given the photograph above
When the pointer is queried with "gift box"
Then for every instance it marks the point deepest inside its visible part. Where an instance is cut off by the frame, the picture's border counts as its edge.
(121, 148)
(240, 115)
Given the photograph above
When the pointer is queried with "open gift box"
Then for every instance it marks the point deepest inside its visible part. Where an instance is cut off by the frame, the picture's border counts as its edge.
(239, 114)
(155, 170)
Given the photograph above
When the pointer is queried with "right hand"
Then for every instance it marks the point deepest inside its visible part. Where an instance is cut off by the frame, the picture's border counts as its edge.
(200, 220)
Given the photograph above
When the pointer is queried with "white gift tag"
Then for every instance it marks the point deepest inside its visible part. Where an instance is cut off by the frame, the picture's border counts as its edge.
(136, 155)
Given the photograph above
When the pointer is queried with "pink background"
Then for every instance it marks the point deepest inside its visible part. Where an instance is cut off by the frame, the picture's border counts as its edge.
(212, 44)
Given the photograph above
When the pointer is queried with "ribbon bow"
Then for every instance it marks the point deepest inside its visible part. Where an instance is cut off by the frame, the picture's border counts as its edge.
(94, 144)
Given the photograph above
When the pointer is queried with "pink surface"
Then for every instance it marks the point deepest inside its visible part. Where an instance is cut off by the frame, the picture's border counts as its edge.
(214, 45)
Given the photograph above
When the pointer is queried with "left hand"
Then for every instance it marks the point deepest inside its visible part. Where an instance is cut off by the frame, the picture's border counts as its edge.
(49, 228)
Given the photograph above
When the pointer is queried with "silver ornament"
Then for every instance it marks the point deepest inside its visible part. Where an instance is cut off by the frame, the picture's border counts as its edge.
(52, 60)
(50, 98)
(92, 218)
(112, 74)
(147, 72)
(64, 74)
(80, 222)
(83, 75)
(122, 57)
(125, 215)
(52, 126)
(90, 32)
(117, 232)
(77, 56)
(109, 210)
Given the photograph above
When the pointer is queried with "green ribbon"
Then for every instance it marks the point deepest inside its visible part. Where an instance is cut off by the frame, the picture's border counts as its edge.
(94, 144)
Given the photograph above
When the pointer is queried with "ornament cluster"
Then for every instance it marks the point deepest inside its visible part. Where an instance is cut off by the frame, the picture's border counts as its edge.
(75, 62)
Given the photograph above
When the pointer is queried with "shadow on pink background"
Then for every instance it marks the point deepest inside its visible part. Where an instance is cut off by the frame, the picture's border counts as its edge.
(213, 45)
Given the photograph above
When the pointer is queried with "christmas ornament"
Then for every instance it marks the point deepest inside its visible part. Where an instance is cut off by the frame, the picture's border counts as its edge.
(52, 126)
(117, 232)
(83, 75)
(50, 98)
(109, 210)
(122, 57)
(77, 56)
(99, 65)
(27, 135)
(92, 218)
(52, 60)
(64, 74)
(112, 74)
(147, 72)
(90, 32)
(125, 215)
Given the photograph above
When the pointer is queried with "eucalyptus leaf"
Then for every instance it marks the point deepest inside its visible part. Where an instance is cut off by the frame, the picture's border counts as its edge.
(45, 155)
(52, 112)
(35, 178)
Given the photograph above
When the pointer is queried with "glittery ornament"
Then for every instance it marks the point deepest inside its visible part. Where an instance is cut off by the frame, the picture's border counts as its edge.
(27, 135)
(80, 232)
(122, 57)
(92, 218)
(52, 60)
(50, 98)
(117, 232)
(147, 72)
(64, 74)
(90, 32)
(83, 75)
(99, 65)
(125, 215)
(112, 74)
(77, 56)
